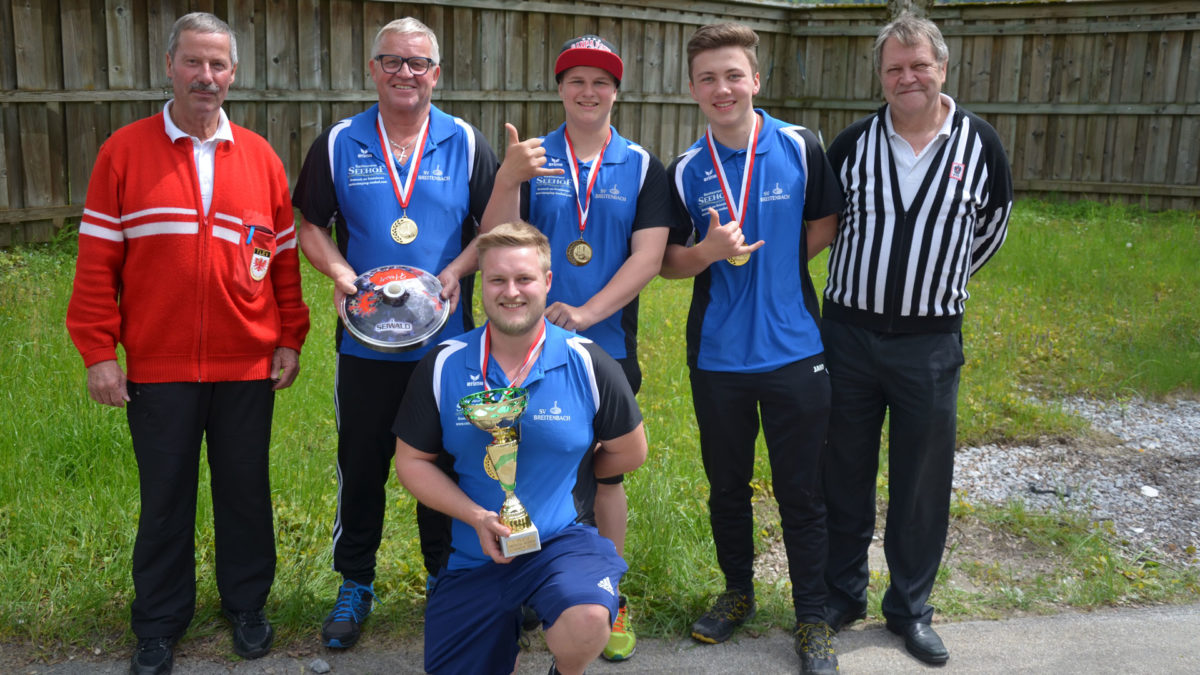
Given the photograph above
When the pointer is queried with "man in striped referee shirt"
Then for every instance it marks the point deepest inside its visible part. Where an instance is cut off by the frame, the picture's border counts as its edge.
(928, 193)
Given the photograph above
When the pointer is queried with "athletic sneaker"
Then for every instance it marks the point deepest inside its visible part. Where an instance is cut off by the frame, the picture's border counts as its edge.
(622, 643)
(342, 627)
(814, 646)
(732, 609)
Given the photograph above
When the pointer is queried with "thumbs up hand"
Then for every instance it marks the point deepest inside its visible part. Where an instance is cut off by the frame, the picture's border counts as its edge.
(523, 160)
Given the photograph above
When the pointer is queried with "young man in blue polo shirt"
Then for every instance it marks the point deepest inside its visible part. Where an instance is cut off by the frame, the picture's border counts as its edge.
(753, 342)
(402, 183)
(604, 203)
(577, 396)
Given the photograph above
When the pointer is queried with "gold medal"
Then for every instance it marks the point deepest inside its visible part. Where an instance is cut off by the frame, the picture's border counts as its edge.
(579, 253)
(404, 230)
(738, 260)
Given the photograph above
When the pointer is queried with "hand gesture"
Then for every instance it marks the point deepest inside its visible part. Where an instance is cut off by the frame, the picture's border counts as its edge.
(525, 159)
(728, 240)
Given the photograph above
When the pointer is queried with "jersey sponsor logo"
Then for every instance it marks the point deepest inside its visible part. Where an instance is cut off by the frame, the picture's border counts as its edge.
(610, 193)
(710, 198)
(710, 174)
(551, 414)
(362, 175)
(606, 584)
(364, 153)
(553, 186)
(434, 174)
(957, 170)
(474, 381)
(775, 194)
(554, 163)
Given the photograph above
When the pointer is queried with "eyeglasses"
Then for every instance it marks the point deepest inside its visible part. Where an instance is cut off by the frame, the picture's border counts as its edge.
(417, 65)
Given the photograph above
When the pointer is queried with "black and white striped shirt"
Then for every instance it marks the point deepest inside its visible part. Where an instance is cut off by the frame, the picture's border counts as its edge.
(905, 270)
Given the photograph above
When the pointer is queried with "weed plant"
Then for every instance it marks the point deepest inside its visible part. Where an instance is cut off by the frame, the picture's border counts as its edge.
(1083, 300)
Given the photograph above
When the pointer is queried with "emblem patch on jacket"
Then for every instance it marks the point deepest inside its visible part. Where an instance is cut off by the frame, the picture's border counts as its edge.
(260, 263)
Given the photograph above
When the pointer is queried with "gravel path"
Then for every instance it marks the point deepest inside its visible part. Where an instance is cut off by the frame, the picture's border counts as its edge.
(1141, 472)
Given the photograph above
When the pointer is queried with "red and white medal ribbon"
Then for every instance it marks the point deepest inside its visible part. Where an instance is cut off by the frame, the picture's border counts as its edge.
(582, 207)
(404, 194)
(735, 210)
(530, 357)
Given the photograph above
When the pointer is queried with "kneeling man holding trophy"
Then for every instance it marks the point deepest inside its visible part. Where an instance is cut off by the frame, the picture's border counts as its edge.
(517, 403)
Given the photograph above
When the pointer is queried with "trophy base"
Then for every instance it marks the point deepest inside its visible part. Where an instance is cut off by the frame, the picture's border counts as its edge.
(526, 541)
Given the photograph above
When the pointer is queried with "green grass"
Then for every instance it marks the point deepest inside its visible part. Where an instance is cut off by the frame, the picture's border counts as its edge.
(1083, 299)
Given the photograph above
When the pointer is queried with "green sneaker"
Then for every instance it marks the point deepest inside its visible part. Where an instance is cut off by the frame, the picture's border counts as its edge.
(732, 609)
(622, 643)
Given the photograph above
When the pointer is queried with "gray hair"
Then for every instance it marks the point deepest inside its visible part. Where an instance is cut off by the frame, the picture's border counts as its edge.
(408, 26)
(201, 22)
(911, 30)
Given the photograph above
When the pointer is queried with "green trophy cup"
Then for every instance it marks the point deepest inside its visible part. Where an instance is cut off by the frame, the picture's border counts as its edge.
(496, 411)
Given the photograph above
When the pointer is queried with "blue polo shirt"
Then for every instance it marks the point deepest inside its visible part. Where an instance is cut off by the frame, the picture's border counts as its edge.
(762, 315)
(577, 394)
(345, 183)
(631, 193)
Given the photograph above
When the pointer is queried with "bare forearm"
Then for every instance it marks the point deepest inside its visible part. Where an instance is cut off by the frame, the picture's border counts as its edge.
(642, 265)
(432, 487)
(322, 253)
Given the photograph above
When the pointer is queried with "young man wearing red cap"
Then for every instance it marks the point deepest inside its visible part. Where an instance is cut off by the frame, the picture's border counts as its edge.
(603, 201)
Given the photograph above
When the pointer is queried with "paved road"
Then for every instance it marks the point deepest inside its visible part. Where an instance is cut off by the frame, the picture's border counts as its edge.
(1154, 640)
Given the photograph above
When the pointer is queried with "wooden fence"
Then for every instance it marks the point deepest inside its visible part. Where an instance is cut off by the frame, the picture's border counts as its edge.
(1093, 99)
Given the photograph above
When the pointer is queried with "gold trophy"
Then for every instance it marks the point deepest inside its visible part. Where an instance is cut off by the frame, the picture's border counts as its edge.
(496, 411)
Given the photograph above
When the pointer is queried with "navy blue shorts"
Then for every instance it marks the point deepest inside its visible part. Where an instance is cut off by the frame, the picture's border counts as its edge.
(473, 617)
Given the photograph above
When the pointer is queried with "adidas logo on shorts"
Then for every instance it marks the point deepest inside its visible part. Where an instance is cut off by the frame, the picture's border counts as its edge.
(606, 585)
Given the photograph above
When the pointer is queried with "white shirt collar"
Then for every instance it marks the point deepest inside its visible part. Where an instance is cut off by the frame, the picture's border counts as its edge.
(224, 130)
(944, 132)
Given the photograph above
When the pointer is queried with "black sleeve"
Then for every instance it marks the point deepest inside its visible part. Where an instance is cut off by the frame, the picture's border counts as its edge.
(526, 186)
(418, 422)
(822, 192)
(682, 227)
(619, 413)
(483, 175)
(314, 194)
(654, 200)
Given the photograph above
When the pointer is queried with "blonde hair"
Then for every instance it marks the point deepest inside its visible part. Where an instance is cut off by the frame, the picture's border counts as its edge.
(517, 234)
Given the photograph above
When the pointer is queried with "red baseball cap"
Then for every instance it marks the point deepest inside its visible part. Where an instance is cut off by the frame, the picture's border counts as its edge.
(589, 50)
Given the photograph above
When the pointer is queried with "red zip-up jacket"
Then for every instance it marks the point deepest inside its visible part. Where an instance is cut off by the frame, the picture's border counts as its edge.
(191, 297)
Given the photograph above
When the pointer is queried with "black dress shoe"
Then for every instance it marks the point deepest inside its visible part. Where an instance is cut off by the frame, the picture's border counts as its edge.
(840, 618)
(153, 656)
(922, 642)
(252, 633)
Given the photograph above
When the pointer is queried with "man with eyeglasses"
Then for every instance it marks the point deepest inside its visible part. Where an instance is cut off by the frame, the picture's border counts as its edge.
(401, 183)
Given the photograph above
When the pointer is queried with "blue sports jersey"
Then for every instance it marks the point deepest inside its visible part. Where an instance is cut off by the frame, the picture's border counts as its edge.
(762, 315)
(631, 193)
(345, 177)
(577, 395)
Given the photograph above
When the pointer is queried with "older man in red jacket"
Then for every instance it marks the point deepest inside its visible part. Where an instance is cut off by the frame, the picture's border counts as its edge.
(187, 258)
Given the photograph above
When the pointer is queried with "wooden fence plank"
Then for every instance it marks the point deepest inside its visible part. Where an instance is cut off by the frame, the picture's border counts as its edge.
(122, 41)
